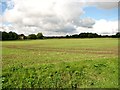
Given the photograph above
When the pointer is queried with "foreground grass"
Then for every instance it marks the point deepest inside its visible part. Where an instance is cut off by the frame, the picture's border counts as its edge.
(60, 63)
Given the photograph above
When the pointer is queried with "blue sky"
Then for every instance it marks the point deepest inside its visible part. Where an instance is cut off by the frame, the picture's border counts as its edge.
(97, 13)
(3, 6)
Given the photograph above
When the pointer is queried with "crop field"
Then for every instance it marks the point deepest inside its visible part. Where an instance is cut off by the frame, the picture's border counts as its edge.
(60, 63)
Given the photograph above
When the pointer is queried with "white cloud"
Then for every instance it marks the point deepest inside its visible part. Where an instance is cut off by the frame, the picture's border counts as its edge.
(106, 27)
(46, 16)
(102, 27)
(53, 17)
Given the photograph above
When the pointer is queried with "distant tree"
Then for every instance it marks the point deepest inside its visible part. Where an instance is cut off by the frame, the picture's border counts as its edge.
(32, 36)
(40, 36)
(13, 35)
(75, 36)
(113, 36)
(5, 35)
(90, 35)
(0, 35)
(67, 36)
(118, 35)
(83, 35)
(105, 36)
(96, 35)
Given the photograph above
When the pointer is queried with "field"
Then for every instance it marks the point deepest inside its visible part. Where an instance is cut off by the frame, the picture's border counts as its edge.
(60, 63)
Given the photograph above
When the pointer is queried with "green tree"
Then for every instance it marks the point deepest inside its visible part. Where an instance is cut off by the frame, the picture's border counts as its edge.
(12, 36)
(5, 35)
(0, 35)
(118, 35)
(32, 36)
(40, 36)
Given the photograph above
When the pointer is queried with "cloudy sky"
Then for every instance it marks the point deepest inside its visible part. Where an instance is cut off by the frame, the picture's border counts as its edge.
(59, 17)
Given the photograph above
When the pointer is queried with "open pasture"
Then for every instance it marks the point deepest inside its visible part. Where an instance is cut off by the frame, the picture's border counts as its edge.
(60, 63)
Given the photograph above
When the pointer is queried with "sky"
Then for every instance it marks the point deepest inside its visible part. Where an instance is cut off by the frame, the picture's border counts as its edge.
(59, 17)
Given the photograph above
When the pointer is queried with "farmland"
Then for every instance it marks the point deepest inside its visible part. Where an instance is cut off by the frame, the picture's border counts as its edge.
(60, 63)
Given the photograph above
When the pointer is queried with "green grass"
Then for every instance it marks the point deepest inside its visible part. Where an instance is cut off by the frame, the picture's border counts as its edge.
(60, 63)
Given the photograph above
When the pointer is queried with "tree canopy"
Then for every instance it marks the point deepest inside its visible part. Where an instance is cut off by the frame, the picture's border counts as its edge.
(40, 36)
(14, 36)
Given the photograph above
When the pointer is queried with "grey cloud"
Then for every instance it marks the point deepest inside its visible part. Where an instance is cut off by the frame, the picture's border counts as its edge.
(85, 22)
(103, 4)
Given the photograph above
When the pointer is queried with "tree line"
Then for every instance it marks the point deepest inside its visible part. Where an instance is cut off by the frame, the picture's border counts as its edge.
(14, 36)
(93, 35)
(87, 35)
